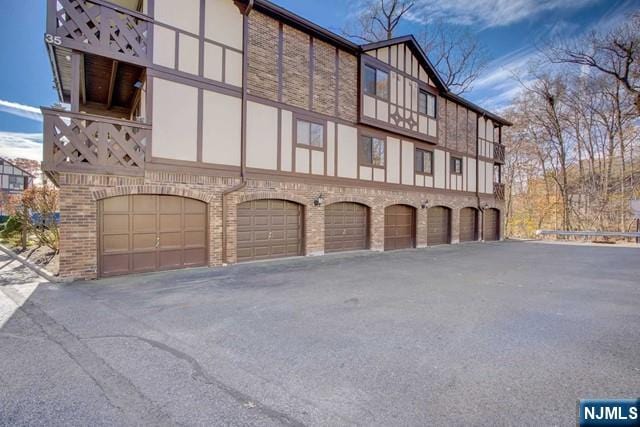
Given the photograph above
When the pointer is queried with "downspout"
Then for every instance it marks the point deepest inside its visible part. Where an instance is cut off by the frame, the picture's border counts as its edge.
(243, 128)
(480, 209)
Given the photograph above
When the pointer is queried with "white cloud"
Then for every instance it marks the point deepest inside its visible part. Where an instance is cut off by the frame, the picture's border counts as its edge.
(21, 110)
(23, 145)
(489, 13)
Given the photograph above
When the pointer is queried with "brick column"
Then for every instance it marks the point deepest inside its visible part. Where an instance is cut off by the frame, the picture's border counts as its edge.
(314, 230)
(78, 233)
(455, 225)
(421, 228)
(215, 231)
(376, 228)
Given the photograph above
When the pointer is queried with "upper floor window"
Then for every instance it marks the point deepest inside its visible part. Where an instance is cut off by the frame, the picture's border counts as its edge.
(309, 133)
(372, 151)
(16, 182)
(427, 104)
(376, 82)
(424, 162)
(456, 165)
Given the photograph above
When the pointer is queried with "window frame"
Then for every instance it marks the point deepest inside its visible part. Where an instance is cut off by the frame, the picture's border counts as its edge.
(453, 168)
(311, 121)
(422, 172)
(365, 162)
(376, 70)
(428, 94)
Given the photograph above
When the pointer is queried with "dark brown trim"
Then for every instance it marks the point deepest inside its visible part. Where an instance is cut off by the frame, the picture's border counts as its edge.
(311, 71)
(75, 81)
(112, 83)
(398, 131)
(280, 59)
(200, 130)
(336, 93)
(186, 79)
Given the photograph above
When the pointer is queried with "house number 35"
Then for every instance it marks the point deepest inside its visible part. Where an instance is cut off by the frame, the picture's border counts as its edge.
(51, 39)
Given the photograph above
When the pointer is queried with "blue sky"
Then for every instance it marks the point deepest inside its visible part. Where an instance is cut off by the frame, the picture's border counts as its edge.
(510, 30)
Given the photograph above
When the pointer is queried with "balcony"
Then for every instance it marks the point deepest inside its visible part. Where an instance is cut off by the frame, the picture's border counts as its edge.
(498, 153)
(498, 190)
(100, 27)
(79, 142)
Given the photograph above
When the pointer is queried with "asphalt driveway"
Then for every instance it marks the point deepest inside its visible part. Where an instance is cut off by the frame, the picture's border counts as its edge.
(477, 334)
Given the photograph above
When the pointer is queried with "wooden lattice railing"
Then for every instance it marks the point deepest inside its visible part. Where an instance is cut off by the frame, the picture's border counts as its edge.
(99, 27)
(498, 190)
(498, 152)
(75, 142)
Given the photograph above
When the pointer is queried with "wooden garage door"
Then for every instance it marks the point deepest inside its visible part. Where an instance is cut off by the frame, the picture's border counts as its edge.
(468, 225)
(438, 226)
(491, 224)
(269, 229)
(399, 227)
(141, 233)
(345, 227)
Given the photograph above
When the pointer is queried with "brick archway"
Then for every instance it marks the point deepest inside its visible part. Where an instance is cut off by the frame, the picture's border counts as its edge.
(262, 195)
(152, 189)
(348, 199)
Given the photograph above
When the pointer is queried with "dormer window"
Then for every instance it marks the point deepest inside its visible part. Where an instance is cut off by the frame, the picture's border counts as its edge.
(376, 82)
(427, 104)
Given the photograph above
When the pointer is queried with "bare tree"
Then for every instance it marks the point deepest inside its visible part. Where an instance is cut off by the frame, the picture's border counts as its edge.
(378, 20)
(457, 54)
(615, 53)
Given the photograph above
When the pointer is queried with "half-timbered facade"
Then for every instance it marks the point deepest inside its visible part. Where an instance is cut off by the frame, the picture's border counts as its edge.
(207, 132)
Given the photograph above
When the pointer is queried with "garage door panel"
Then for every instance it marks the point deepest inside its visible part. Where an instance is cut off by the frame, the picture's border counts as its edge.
(194, 238)
(115, 204)
(144, 241)
(170, 259)
(115, 264)
(145, 261)
(346, 227)
(195, 257)
(116, 223)
(468, 225)
(399, 229)
(142, 203)
(170, 204)
(438, 226)
(154, 232)
(115, 243)
(267, 229)
(491, 224)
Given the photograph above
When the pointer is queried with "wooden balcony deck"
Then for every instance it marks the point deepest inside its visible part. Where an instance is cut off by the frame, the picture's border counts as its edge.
(498, 153)
(498, 190)
(100, 27)
(78, 142)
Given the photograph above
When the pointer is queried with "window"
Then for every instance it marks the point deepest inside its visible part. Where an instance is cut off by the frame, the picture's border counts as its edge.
(376, 82)
(311, 134)
(424, 162)
(427, 104)
(372, 150)
(456, 165)
(16, 182)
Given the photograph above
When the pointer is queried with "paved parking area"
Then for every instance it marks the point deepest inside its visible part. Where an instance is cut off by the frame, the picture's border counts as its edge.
(477, 334)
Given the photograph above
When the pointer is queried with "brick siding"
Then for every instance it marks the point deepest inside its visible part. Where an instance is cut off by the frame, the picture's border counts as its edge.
(80, 193)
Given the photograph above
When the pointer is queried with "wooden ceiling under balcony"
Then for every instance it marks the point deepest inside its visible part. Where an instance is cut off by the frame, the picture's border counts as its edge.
(107, 87)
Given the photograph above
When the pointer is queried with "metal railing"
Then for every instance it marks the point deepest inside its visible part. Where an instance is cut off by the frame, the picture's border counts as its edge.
(605, 234)
(498, 190)
(498, 152)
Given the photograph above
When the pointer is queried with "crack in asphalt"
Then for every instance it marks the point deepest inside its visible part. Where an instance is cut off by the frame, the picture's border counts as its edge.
(199, 374)
(117, 389)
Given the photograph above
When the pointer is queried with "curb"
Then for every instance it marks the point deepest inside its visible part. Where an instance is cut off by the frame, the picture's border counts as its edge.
(35, 268)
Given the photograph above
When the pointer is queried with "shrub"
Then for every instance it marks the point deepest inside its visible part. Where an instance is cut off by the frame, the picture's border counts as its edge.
(36, 208)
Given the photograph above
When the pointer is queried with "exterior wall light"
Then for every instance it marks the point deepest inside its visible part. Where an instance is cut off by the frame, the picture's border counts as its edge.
(425, 204)
(319, 201)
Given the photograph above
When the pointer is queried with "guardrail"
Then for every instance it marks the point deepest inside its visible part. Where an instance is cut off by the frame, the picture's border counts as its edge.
(623, 234)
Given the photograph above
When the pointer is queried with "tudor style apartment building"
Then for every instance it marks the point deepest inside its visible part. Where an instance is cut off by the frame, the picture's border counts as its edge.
(208, 132)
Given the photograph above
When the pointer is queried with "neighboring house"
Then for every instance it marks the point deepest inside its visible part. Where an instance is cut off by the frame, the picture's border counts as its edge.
(207, 132)
(13, 181)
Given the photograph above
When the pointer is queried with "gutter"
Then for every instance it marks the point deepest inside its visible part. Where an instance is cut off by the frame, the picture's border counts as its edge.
(243, 128)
